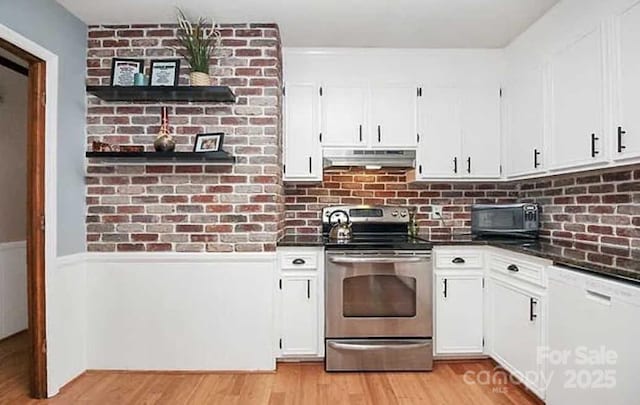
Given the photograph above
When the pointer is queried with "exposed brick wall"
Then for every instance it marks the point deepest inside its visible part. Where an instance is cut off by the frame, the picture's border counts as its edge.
(189, 207)
(595, 214)
(591, 216)
(389, 186)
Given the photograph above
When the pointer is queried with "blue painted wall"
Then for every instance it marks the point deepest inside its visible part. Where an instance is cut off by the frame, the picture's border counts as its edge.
(54, 28)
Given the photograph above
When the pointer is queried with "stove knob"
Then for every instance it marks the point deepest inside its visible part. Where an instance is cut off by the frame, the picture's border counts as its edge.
(394, 214)
(403, 214)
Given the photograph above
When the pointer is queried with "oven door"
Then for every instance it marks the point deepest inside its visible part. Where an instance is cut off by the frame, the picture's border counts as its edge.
(378, 294)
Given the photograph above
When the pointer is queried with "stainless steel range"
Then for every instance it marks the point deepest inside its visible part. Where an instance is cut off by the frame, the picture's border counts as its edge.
(378, 303)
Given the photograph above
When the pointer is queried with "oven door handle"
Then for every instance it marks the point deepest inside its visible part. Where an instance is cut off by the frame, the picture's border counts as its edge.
(376, 259)
(368, 346)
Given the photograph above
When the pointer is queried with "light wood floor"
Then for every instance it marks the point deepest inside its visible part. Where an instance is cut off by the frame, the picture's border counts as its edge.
(296, 384)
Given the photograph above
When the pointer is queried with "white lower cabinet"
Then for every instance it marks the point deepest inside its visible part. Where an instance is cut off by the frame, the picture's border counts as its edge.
(458, 302)
(458, 314)
(594, 352)
(300, 316)
(515, 332)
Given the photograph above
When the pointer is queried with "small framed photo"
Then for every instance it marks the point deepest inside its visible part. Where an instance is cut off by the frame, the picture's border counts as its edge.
(165, 72)
(123, 71)
(209, 142)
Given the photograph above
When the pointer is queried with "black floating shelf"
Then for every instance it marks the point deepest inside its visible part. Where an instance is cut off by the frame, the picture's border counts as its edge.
(221, 94)
(176, 157)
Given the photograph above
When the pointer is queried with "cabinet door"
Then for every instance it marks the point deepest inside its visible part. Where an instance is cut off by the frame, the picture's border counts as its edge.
(459, 313)
(480, 132)
(440, 133)
(302, 152)
(299, 316)
(343, 115)
(525, 124)
(577, 88)
(515, 333)
(393, 116)
(627, 139)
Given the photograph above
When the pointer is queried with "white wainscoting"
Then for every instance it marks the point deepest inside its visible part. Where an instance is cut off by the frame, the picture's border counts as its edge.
(180, 311)
(66, 320)
(13, 288)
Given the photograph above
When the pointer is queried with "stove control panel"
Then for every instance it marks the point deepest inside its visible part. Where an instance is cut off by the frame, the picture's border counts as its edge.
(370, 213)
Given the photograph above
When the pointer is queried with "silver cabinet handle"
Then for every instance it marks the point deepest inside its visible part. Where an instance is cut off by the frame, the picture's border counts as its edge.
(374, 259)
(599, 296)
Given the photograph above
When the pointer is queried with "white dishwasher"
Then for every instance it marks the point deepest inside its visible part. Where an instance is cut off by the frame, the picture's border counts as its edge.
(594, 340)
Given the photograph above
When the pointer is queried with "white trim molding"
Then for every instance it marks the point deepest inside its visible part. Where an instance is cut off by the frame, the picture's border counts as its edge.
(51, 195)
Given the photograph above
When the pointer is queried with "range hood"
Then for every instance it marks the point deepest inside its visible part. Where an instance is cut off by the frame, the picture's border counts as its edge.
(369, 158)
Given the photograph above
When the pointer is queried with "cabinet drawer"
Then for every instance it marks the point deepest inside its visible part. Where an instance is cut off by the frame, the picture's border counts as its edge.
(459, 259)
(303, 260)
(518, 269)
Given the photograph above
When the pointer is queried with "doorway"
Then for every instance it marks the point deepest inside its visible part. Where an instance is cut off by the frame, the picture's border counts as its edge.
(35, 209)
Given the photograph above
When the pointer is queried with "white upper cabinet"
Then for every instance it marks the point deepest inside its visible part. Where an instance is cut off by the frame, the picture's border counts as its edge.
(626, 142)
(480, 113)
(577, 103)
(440, 133)
(302, 151)
(393, 116)
(343, 112)
(524, 133)
(459, 133)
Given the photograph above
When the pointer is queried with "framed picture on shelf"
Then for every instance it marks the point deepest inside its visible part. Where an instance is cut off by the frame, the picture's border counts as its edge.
(123, 71)
(209, 142)
(165, 72)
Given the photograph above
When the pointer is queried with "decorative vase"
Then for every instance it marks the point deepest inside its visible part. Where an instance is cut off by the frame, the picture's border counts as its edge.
(200, 79)
(164, 141)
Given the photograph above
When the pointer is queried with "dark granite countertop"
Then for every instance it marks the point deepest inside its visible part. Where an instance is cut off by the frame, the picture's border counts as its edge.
(622, 264)
(301, 240)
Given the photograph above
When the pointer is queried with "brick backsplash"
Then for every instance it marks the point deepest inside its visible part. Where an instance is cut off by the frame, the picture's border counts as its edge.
(189, 207)
(593, 215)
(389, 186)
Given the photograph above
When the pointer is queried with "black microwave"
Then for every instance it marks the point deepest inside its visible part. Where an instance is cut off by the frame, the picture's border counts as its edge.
(520, 220)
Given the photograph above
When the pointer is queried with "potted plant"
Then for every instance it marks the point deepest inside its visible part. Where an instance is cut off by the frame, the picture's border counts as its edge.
(199, 40)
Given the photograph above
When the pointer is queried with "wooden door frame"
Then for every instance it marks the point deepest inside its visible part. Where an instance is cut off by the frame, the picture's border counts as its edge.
(36, 118)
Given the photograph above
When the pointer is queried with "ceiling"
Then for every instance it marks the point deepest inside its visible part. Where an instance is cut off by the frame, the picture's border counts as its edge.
(344, 23)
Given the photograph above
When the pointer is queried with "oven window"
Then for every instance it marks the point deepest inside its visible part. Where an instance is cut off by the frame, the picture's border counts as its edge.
(376, 296)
